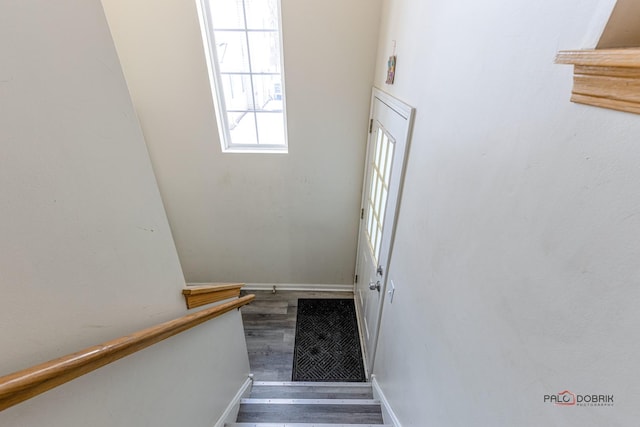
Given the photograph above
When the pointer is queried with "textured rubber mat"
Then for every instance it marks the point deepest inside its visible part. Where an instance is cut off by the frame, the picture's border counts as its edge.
(327, 344)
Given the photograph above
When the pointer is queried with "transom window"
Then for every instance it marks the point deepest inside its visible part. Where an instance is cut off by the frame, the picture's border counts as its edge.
(245, 62)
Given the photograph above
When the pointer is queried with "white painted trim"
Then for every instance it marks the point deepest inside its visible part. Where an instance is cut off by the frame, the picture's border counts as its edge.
(288, 287)
(388, 416)
(360, 322)
(298, 287)
(215, 78)
(407, 112)
(230, 414)
(404, 110)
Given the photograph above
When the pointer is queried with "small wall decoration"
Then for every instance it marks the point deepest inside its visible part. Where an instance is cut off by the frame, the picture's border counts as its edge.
(391, 69)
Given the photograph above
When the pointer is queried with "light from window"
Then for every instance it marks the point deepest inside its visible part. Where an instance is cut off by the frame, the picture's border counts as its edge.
(244, 54)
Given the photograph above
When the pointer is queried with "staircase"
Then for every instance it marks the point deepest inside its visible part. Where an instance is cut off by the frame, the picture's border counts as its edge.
(304, 404)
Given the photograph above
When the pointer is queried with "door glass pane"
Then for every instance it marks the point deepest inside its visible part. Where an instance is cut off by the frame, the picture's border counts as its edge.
(383, 155)
(383, 201)
(375, 240)
(379, 197)
(378, 242)
(378, 146)
(387, 169)
(374, 190)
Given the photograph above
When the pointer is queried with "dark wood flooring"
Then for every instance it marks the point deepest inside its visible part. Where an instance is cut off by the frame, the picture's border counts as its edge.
(270, 328)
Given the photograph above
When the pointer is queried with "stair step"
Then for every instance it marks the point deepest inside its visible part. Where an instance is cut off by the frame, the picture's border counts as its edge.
(311, 390)
(331, 411)
(303, 425)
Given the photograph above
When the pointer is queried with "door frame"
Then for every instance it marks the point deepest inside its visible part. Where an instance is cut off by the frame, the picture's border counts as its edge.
(407, 113)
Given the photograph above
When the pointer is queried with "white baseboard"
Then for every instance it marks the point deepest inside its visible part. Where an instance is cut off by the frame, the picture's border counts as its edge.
(289, 287)
(388, 416)
(297, 287)
(230, 414)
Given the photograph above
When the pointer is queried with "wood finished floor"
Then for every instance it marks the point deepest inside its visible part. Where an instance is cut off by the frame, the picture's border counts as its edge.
(270, 329)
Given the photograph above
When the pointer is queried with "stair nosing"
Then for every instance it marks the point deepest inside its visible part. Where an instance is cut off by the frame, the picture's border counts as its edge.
(285, 401)
(249, 424)
(309, 384)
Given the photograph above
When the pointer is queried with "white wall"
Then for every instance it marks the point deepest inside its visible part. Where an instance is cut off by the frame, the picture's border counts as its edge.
(86, 252)
(256, 218)
(515, 265)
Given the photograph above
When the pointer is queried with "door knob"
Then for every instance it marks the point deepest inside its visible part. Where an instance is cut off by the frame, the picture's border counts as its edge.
(374, 286)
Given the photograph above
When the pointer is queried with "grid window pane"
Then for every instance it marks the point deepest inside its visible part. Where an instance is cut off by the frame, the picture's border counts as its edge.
(265, 52)
(226, 14)
(237, 92)
(232, 52)
(243, 127)
(266, 92)
(247, 72)
(270, 128)
(262, 14)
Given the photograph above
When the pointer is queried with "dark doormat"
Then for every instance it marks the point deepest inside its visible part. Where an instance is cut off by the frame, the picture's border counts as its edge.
(327, 343)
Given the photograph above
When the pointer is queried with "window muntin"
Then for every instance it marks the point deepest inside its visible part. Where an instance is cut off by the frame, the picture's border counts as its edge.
(245, 61)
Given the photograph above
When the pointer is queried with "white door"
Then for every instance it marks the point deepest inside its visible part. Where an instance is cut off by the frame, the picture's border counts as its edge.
(387, 146)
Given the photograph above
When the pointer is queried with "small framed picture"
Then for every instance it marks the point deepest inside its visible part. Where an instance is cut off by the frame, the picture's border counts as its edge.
(391, 69)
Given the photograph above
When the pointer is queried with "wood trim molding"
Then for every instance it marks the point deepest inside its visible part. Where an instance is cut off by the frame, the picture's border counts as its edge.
(195, 296)
(607, 78)
(30, 382)
(628, 57)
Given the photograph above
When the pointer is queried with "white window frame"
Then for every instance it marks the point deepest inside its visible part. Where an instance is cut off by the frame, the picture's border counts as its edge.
(215, 80)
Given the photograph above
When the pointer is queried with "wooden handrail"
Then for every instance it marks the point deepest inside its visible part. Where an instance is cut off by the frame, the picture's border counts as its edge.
(30, 382)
